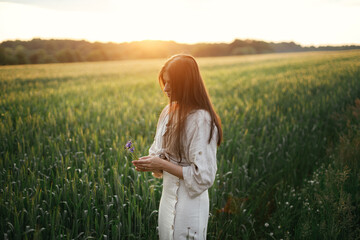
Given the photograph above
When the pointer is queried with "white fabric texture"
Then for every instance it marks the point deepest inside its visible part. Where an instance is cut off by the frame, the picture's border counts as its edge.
(184, 204)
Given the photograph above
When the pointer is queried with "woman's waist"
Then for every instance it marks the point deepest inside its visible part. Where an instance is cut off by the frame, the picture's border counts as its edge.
(171, 181)
(170, 178)
(174, 188)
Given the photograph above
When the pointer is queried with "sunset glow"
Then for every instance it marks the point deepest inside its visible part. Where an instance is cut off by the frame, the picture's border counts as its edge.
(306, 22)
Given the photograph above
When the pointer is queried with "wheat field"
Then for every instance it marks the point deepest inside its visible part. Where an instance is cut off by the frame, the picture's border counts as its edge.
(64, 173)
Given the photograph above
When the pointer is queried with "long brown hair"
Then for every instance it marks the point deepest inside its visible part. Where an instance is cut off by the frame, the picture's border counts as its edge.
(187, 93)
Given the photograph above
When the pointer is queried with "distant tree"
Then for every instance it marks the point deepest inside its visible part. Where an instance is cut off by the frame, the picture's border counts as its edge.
(38, 56)
(9, 56)
(35, 43)
(78, 56)
(60, 50)
(286, 47)
(50, 46)
(243, 51)
(248, 46)
(97, 55)
(2, 56)
(261, 47)
(209, 49)
(49, 58)
(20, 54)
(65, 55)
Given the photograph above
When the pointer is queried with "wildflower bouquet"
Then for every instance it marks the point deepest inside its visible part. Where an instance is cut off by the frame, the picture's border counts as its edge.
(130, 148)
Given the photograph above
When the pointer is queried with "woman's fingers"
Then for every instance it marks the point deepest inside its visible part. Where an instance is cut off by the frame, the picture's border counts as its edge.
(140, 169)
(140, 162)
(142, 165)
(143, 169)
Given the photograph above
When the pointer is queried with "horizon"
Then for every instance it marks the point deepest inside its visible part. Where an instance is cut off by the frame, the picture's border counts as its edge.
(199, 21)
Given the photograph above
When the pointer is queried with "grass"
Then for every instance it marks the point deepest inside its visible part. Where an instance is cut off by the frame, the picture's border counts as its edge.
(65, 175)
(327, 204)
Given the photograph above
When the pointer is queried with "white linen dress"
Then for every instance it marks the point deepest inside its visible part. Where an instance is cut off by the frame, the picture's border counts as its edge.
(184, 204)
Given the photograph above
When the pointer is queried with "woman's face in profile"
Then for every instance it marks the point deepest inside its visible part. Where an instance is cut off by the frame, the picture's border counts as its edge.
(167, 88)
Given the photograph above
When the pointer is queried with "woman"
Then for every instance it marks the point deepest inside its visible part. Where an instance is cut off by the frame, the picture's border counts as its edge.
(184, 151)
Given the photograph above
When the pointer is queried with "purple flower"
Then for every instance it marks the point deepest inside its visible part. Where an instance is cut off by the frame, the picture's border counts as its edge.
(128, 144)
(130, 149)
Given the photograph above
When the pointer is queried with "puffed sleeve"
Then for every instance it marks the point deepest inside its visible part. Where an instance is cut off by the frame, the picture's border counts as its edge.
(153, 150)
(200, 175)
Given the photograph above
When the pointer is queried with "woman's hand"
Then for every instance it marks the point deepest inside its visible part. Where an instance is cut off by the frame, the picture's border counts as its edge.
(157, 165)
(149, 164)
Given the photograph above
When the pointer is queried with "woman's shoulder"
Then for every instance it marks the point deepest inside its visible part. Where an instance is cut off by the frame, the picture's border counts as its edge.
(200, 120)
(166, 108)
(164, 111)
(199, 115)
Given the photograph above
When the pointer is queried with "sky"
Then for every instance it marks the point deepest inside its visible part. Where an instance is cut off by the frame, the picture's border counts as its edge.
(306, 22)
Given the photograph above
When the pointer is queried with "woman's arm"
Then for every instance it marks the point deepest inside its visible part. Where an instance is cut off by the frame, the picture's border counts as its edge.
(173, 169)
(154, 164)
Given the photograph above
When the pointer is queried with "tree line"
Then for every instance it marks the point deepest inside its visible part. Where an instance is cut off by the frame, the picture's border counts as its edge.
(60, 51)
